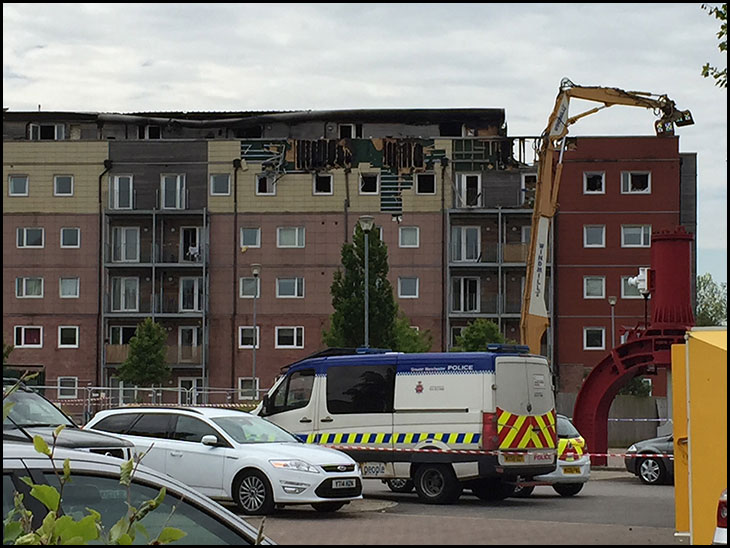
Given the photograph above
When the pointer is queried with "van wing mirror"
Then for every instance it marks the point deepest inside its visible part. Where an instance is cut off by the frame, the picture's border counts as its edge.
(266, 406)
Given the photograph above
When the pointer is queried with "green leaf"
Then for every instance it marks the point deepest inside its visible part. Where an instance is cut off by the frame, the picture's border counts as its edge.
(41, 446)
(11, 531)
(120, 528)
(48, 495)
(170, 534)
(6, 409)
(66, 470)
(58, 429)
(126, 476)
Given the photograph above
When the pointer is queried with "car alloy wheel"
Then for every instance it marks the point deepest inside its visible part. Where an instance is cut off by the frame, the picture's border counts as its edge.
(651, 471)
(400, 485)
(253, 494)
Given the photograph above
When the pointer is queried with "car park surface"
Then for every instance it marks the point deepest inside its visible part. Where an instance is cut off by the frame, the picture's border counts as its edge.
(230, 454)
(652, 460)
(95, 484)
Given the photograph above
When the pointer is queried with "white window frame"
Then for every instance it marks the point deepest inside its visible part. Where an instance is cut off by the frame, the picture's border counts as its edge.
(21, 289)
(270, 183)
(418, 176)
(213, 177)
(74, 388)
(115, 184)
(299, 329)
(353, 131)
(257, 341)
(585, 337)
(24, 232)
(15, 176)
(602, 279)
(298, 288)
(377, 184)
(603, 236)
(78, 237)
(462, 299)
(401, 295)
(178, 180)
(124, 306)
(587, 174)
(198, 293)
(331, 178)
(462, 190)
(75, 328)
(59, 132)
(245, 393)
(645, 235)
(300, 237)
(147, 132)
(55, 185)
(120, 233)
(624, 285)
(116, 332)
(626, 182)
(460, 253)
(241, 294)
(417, 230)
(23, 329)
(60, 287)
(258, 237)
(523, 185)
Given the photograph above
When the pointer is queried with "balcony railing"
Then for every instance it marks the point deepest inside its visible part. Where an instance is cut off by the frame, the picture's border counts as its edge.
(193, 355)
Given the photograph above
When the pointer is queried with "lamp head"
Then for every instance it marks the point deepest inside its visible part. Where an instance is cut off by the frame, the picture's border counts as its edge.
(366, 222)
(255, 270)
(612, 301)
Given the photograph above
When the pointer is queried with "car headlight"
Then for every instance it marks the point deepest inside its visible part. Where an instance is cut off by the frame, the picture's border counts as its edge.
(294, 464)
(631, 449)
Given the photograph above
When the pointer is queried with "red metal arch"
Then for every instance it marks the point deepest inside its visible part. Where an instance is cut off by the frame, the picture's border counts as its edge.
(648, 352)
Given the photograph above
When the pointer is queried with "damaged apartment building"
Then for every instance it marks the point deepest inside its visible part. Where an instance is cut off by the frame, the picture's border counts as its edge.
(112, 218)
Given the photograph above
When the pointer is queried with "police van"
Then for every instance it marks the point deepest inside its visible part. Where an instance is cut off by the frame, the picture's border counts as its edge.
(439, 422)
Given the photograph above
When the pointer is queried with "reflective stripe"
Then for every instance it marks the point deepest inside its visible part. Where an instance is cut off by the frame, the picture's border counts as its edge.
(526, 431)
(380, 438)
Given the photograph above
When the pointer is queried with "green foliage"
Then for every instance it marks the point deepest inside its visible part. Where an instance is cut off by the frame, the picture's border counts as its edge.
(636, 387)
(711, 302)
(720, 75)
(7, 349)
(410, 340)
(476, 336)
(145, 364)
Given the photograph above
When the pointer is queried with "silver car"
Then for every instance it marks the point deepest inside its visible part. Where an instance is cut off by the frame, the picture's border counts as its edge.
(652, 460)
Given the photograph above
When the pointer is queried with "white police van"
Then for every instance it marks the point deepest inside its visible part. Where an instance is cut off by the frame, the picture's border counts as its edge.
(439, 422)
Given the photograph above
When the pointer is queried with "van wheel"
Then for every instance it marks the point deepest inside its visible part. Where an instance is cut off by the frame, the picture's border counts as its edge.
(567, 489)
(400, 485)
(328, 506)
(523, 491)
(252, 493)
(437, 484)
(492, 489)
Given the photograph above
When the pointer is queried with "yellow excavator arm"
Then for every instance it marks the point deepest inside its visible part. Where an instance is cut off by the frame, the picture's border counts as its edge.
(534, 320)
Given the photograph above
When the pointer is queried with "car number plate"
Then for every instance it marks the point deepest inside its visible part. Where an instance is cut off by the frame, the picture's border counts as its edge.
(514, 458)
(372, 469)
(571, 470)
(343, 483)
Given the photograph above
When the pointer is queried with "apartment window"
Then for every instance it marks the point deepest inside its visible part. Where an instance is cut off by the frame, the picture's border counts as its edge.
(122, 191)
(290, 236)
(635, 235)
(30, 237)
(173, 191)
(528, 185)
(469, 190)
(150, 132)
(68, 336)
(594, 287)
(47, 132)
(425, 183)
(629, 291)
(28, 336)
(289, 337)
(71, 237)
(18, 185)
(465, 243)
(249, 287)
(247, 336)
(465, 295)
(594, 182)
(289, 288)
(250, 237)
(408, 287)
(191, 294)
(266, 184)
(29, 288)
(369, 183)
(125, 294)
(323, 184)
(248, 388)
(455, 334)
(121, 334)
(68, 388)
(594, 338)
(68, 288)
(63, 185)
(594, 236)
(125, 244)
(408, 236)
(220, 184)
(349, 131)
(635, 182)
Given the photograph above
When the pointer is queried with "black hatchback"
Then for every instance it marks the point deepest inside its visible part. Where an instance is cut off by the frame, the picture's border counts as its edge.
(652, 460)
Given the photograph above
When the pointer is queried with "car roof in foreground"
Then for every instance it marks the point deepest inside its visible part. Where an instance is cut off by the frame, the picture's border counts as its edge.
(209, 412)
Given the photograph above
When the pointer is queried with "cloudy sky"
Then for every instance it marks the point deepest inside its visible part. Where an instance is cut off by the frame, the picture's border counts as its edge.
(218, 57)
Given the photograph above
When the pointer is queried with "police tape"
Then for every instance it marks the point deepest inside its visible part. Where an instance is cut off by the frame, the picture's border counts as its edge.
(109, 405)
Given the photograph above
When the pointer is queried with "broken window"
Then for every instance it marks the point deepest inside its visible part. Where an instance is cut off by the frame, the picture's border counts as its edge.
(265, 184)
(47, 132)
(425, 183)
(635, 182)
(349, 131)
(470, 190)
(593, 182)
(323, 183)
(368, 183)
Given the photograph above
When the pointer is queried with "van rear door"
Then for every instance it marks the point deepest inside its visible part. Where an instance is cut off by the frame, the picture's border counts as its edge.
(525, 406)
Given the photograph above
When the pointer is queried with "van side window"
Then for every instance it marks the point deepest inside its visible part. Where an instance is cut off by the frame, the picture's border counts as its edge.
(360, 389)
(295, 392)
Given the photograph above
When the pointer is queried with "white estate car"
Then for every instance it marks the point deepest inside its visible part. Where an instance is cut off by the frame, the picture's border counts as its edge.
(230, 454)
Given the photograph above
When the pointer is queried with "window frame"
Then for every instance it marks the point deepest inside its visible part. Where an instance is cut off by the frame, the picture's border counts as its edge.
(13, 176)
(213, 176)
(301, 233)
(257, 334)
(586, 329)
(644, 234)
(240, 287)
(331, 178)
(360, 183)
(418, 237)
(461, 190)
(115, 181)
(60, 287)
(24, 232)
(462, 294)
(74, 388)
(586, 174)
(603, 237)
(295, 328)
(75, 328)
(603, 287)
(23, 329)
(245, 393)
(78, 237)
(463, 249)
(418, 176)
(180, 190)
(298, 287)
(626, 178)
(624, 284)
(24, 293)
(258, 237)
(401, 295)
(55, 186)
(122, 280)
(34, 132)
(270, 180)
(119, 242)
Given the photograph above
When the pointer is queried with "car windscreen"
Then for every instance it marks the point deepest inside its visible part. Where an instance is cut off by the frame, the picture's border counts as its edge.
(566, 429)
(251, 429)
(31, 409)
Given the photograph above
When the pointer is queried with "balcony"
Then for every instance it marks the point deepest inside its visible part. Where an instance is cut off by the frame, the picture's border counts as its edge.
(148, 254)
(183, 356)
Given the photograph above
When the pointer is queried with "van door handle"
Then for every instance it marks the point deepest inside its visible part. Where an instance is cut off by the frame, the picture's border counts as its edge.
(305, 419)
(176, 453)
(328, 419)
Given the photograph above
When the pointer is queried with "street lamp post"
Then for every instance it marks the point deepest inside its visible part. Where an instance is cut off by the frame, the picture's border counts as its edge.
(366, 224)
(612, 301)
(255, 270)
